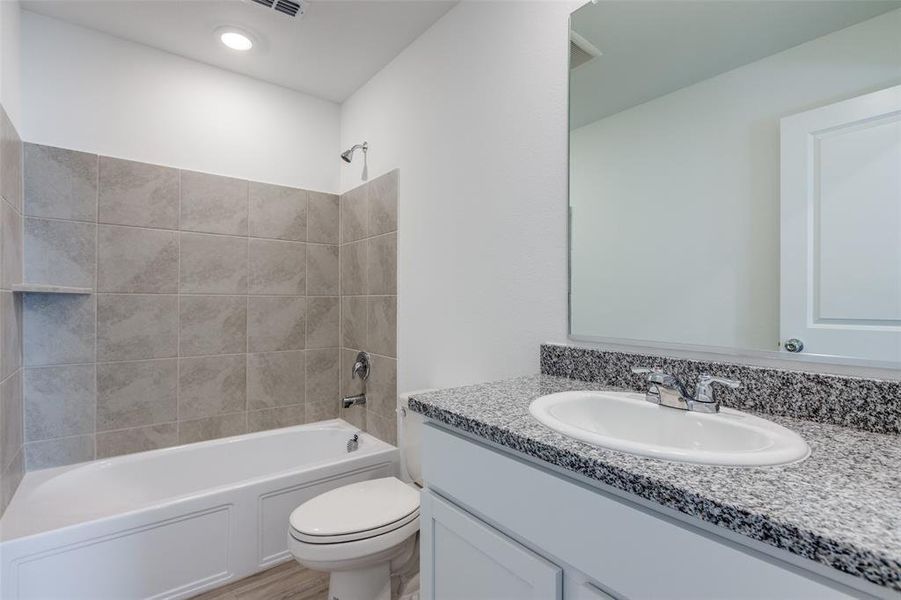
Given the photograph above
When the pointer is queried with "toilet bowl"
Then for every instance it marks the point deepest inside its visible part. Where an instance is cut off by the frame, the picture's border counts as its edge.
(364, 532)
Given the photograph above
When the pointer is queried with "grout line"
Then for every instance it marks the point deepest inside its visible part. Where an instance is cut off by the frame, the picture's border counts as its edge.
(201, 294)
(177, 229)
(178, 289)
(145, 426)
(94, 297)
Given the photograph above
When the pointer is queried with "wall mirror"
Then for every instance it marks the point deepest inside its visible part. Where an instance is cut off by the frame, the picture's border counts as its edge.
(735, 177)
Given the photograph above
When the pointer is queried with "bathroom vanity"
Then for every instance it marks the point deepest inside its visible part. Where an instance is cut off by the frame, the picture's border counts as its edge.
(513, 509)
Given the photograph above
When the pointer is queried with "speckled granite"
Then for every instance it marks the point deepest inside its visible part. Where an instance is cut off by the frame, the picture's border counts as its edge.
(840, 507)
(868, 404)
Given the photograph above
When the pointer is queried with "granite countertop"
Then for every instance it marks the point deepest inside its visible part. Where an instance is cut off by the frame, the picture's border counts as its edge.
(840, 507)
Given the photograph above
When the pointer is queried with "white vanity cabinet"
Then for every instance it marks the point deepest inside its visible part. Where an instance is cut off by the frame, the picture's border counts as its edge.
(496, 527)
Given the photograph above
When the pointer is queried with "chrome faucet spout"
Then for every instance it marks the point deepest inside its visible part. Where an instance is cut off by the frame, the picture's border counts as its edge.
(354, 400)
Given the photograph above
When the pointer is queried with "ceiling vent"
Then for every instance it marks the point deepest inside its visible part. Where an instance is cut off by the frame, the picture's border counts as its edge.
(581, 50)
(292, 8)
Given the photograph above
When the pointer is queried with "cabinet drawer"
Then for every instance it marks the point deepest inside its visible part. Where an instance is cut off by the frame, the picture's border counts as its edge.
(631, 551)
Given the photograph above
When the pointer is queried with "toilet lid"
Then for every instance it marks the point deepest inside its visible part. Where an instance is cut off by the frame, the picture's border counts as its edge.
(357, 508)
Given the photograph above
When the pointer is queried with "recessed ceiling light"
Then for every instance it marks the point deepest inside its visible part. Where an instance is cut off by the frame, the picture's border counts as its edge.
(236, 40)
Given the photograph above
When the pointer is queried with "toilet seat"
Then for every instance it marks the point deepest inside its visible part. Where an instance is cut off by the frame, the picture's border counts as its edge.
(357, 535)
(356, 512)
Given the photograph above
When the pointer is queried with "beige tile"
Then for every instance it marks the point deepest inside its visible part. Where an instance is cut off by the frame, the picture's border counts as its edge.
(213, 264)
(354, 214)
(275, 379)
(12, 411)
(60, 184)
(139, 439)
(322, 218)
(276, 323)
(58, 329)
(321, 411)
(322, 322)
(10, 333)
(383, 203)
(275, 418)
(11, 478)
(136, 326)
(59, 401)
(381, 387)
(353, 268)
(277, 267)
(381, 325)
(60, 252)
(11, 246)
(322, 270)
(278, 212)
(11, 163)
(59, 452)
(353, 322)
(355, 415)
(140, 194)
(381, 261)
(212, 325)
(383, 428)
(137, 393)
(322, 377)
(137, 260)
(213, 204)
(200, 430)
(211, 385)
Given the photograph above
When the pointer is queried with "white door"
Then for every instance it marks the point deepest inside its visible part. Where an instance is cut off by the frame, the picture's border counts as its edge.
(466, 559)
(841, 228)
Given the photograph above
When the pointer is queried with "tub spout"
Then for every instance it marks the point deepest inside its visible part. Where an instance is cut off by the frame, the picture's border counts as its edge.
(353, 400)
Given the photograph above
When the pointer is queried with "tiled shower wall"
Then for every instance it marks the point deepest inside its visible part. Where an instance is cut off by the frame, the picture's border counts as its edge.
(369, 300)
(216, 306)
(12, 455)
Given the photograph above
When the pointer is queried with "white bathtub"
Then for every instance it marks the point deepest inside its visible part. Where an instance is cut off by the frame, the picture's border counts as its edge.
(171, 523)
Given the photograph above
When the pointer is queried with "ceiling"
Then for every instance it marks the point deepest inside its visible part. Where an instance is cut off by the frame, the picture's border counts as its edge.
(329, 52)
(655, 47)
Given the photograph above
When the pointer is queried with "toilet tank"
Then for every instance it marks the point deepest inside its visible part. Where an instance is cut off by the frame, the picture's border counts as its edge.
(409, 436)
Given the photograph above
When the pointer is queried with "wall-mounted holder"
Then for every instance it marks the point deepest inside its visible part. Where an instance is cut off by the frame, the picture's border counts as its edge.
(43, 288)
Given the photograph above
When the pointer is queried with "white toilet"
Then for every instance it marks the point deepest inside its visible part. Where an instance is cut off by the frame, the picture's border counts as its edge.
(363, 532)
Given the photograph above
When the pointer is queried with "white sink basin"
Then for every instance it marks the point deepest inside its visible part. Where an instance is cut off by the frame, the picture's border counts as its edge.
(625, 421)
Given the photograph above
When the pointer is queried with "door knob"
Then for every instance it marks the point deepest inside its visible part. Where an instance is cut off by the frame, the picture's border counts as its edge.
(793, 345)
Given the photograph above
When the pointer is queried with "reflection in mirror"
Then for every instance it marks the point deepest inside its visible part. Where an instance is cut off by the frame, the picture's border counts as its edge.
(735, 176)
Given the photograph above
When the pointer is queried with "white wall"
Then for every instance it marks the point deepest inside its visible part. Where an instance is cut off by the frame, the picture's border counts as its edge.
(89, 91)
(474, 115)
(9, 60)
(696, 172)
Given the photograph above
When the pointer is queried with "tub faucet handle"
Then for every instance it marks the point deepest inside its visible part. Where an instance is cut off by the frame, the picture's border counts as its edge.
(361, 366)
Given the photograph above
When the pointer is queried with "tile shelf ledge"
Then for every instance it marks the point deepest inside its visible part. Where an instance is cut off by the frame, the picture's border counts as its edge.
(43, 288)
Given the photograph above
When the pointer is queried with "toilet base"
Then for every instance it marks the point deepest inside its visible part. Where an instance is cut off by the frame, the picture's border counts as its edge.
(370, 583)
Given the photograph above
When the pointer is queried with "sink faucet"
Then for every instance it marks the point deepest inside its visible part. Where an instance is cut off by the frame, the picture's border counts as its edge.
(667, 390)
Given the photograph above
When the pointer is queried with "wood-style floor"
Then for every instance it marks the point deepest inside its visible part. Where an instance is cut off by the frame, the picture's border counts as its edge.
(289, 581)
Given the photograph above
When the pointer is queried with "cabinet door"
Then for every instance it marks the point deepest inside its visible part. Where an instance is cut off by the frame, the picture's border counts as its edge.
(465, 559)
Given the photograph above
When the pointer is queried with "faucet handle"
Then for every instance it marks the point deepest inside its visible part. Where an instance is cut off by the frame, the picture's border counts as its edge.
(361, 366)
(656, 374)
(704, 392)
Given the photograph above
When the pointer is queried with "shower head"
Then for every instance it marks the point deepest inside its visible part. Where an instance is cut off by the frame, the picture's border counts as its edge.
(348, 155)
